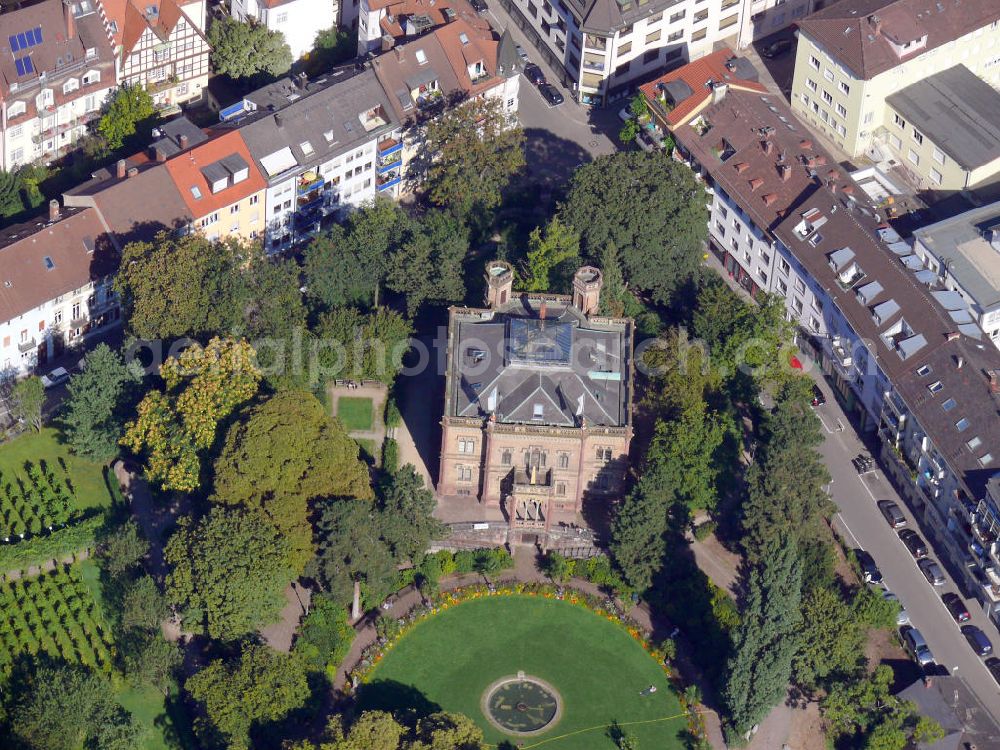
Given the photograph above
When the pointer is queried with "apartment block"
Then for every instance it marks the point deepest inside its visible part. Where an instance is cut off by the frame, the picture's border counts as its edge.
(855, 54)
(322, 147)
(55, 286)
(787, 220)
(298, 20)
(761, 18)
(58, 68)
(161, 46)
(538, 403)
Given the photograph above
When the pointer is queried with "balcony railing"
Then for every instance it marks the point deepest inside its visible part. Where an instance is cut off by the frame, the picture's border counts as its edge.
(384, 164)
(311, 185)
(27, 346)
(388, 180)
(389, 146)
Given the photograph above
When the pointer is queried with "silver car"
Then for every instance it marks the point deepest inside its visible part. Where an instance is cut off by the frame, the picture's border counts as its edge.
(917, 646)
(902, 617)
(932, 572)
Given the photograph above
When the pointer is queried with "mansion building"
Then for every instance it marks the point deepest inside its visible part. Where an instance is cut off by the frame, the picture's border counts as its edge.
(538, 403)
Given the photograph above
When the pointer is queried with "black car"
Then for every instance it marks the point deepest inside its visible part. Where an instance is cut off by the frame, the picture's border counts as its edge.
(777, 49)
(478, 5)
(978, 640)
(869, 569)
(818, 398)
(913, 542)
(993, 664)
(534, 74)
(953, 603)
(551, 94)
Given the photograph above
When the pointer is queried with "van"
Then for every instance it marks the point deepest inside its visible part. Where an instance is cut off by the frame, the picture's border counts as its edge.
(915, 644)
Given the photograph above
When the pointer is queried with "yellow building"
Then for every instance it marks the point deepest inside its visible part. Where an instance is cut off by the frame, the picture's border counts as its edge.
(851, 59)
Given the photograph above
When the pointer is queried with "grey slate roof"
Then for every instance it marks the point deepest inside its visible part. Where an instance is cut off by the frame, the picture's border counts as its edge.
(948, 700)
(528, 370)
(605, 16)
(971, 259)
(958, 111)
(168, 142)
(324, 114)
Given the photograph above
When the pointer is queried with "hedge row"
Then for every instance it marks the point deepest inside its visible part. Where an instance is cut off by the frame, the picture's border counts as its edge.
(61, 542)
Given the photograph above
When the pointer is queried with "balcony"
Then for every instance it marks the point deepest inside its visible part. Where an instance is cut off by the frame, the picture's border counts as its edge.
(310, 182)
(389, 146)
(388, 180)
(26, 346)
(392, 161)
(595, 42)
(593, 63)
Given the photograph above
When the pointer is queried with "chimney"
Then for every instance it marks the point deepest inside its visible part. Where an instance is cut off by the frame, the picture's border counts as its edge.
(953, 335)
(53, 210)
(876, 23)
(806, 144)
(388, 42)
(70, 22)
(182, 141)
(161, 155)
(767, 146)
(132, 172)
(120, 169)
(542, 311)
(785, 172)
(848, 189)
(399, 54)
(832, 184)
(960, 362)
(994, 376)
(277, 119)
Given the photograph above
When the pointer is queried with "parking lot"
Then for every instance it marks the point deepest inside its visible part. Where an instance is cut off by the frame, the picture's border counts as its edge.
(863, 525)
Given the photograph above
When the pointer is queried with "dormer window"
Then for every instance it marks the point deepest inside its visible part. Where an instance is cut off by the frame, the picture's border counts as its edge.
(71, 85)
(16, 109)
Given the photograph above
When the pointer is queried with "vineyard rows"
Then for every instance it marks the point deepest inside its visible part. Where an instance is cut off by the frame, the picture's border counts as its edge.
(29, 505)
(53, 614)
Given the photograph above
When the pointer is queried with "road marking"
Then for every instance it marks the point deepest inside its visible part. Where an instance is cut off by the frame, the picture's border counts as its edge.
(840, 515)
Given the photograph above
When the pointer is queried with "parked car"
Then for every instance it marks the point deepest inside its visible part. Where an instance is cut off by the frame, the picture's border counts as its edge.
(902, 617)
(869, 570)
(521, 53)
(818, 398)
(777, 49)
(917, 647)
(892, 513)
(932, 572)
(625, 114)
(551, 94)
(863, 463)
(978, 640)
(914, 543)
(956, 608)
(54, 378)
(993, 664)
(479, 6)
(534, 74)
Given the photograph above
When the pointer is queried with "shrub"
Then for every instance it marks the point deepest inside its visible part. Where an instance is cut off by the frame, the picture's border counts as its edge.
(465, 561)
(326, 636)
(393, 418)
(390, 456)
(704, 530)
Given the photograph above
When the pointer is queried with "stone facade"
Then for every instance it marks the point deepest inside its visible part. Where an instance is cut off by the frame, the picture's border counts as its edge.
(538, 406)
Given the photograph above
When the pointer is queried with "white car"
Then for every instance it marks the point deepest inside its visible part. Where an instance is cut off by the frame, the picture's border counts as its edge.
(57, 377)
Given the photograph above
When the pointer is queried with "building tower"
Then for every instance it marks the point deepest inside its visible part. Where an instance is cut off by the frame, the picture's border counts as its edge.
(499, 282)
(587, 284)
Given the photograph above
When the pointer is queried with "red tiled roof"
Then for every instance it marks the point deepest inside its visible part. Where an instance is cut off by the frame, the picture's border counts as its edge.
(696, 75)
(858, 32)
(186, 172)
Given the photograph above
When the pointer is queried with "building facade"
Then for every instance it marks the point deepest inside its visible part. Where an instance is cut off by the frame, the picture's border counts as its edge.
(538, 403)
(55, 287)
(761, 18)
(787, 220)
(58, 69)
(853, 55)
(604, 46)
(161, 47)
(298, 20)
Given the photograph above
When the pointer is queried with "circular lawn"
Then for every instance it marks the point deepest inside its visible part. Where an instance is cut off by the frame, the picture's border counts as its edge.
(450, 660)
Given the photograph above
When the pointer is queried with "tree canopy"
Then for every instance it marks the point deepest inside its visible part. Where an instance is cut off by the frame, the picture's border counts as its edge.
(243, 50)
(130, 105)
(11, 194)
(429, 265)
(27, 398)
(284, 455)
(228, 572)
(554, 249)
(472, 151)
(649, 208)
(361, 346)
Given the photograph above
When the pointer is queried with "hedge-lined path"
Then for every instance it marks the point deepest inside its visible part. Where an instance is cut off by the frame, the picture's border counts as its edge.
(47, 566)
(526, 570)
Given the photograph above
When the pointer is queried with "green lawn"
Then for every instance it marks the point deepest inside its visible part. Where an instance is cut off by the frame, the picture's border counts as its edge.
(447, 661)
(166, 725)
(86, 478)
(355, 413)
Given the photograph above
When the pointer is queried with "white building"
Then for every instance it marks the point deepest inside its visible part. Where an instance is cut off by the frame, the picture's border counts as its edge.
(322, 146)
(50, 295)
(962, 254)
(57, 70)
(298, 20)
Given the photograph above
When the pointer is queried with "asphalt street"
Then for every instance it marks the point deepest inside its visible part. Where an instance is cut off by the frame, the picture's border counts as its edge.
(863, 525)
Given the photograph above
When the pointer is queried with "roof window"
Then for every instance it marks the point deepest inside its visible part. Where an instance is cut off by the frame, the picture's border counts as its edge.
(949, 404)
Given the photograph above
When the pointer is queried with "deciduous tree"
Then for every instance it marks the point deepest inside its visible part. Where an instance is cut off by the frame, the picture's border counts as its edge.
(243, 50)
(552, 250)
(360, 346)
(429, 266)
(228, 571)
(130, 105)
(11, 196)
(26, 401)
(649, 208)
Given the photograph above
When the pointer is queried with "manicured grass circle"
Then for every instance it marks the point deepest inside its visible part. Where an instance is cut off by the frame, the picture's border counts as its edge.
(447, 662)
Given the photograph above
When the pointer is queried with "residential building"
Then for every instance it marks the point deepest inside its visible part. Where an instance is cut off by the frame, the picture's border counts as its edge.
(853, 55)
(761, 18)
(122, 193)
(945, 130)
(55, 286)
(787, 219)
(161, 46)
(58, 67)
(322, 147)
(605, 46)
(946, 699)
(449, 65)
(383, 23)
(538, 403)
(221, 186)
(298, 20)
(963, 253)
